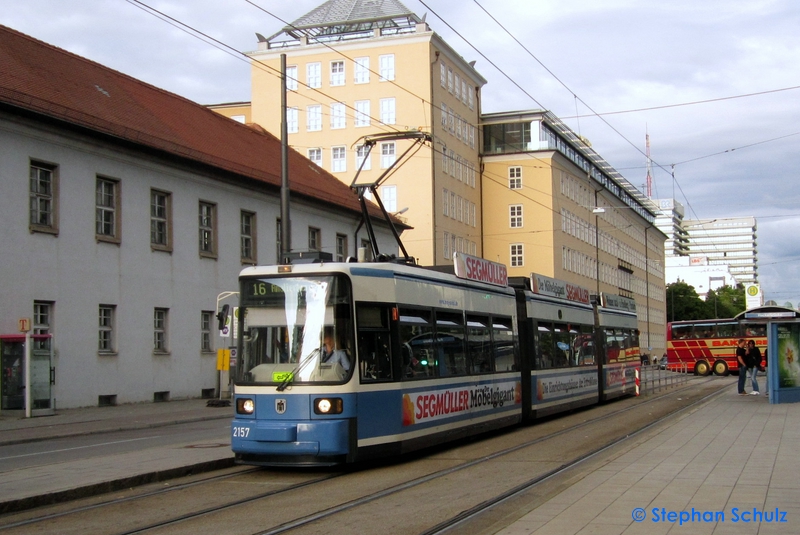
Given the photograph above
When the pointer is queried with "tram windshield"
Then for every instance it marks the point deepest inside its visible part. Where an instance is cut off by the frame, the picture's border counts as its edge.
(295, 330)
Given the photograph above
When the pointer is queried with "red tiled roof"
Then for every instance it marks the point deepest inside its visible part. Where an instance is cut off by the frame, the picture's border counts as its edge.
(47, 80)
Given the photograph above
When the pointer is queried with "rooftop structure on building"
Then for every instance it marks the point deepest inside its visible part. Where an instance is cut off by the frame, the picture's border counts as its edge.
(532, 130)
(729, 241)
(340, 20)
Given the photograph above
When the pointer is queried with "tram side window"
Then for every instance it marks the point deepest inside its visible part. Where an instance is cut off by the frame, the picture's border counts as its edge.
(583, 344)
(635, 338)
(505, 350)
(417, 344)
(615, 339)
(562, 352)
(681, 332)
(544, 346)
(373, 343)
(479, 344)
(450, 344)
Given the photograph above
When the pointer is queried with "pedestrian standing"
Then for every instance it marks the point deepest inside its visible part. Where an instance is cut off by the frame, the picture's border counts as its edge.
(741, 355)
(753, 360)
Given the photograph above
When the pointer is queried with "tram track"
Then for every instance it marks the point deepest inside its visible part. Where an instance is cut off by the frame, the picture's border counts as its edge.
(305, 511)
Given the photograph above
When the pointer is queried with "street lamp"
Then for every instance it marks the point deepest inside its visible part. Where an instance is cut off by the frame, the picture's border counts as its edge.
(598, 355)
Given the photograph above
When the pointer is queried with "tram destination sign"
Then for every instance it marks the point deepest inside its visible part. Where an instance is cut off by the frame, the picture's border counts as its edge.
(478, 269)
(557, 288)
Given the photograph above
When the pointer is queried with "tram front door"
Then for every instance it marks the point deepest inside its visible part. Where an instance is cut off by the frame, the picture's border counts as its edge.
(12, 368)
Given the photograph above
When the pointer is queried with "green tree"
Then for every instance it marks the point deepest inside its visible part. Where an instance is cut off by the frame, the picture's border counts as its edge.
(725, 302)
(683, 303)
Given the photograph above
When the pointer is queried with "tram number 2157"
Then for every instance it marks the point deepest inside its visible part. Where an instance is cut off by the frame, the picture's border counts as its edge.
(241, 432)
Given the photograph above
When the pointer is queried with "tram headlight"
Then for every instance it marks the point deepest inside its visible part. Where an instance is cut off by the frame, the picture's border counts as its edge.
(328, 406)
(245, 406)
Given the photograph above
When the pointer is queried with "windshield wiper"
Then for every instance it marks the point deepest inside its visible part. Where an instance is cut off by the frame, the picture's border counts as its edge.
(289, 378)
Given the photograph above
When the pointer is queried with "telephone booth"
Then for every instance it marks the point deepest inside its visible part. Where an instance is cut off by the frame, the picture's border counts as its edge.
(12, 365)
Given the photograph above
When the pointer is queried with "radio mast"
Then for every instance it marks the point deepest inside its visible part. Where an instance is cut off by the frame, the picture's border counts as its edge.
(649, 165)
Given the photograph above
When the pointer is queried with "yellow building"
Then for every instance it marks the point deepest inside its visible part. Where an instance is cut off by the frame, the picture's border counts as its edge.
(522, 189)
(558, 209)
(379, 68)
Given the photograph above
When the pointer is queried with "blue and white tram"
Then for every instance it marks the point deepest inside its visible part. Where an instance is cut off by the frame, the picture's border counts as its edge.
(558, 338)
(343, 362)
(429, 358)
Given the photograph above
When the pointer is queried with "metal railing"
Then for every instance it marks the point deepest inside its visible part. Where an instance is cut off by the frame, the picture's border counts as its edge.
(653, 378)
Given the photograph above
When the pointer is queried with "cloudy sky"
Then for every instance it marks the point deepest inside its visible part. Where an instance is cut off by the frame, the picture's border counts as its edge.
(716, 84)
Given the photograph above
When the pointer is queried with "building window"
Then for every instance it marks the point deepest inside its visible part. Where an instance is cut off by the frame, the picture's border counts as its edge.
(452, 204)
(387, 155)
(362, 70)
(386, 63)
(291, 77)
(106, 210)
(515, 215)
(248, 237)
(313, 75)
(206, 321)
(446, 246)
(106, 336)
(337, 72)
(208, 228)
(314, 118)
(43, 198)
(389, 198)
(338, 159)
(444, 115)
(457, 86)
(449, 80)
(42, 322)
(517, 255)
(160, 330)
(315, 155)
(341, 247)
(445, 203)
(362, 113)
(337, 116)
(314, 239)
(363, 155)
(388, 115)
(443, 73)
(515, 178)
(292, 115)
(160, 220)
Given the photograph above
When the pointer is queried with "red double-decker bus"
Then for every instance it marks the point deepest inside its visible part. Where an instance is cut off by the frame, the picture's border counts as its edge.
(707, 346)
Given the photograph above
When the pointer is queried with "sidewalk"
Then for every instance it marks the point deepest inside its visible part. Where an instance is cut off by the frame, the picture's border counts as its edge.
(729, 467)
(34, 486)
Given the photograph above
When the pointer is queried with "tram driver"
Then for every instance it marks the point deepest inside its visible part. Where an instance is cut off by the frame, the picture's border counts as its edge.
(331, 354)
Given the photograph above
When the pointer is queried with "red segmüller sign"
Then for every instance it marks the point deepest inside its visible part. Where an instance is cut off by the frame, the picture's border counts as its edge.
(478, 269)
